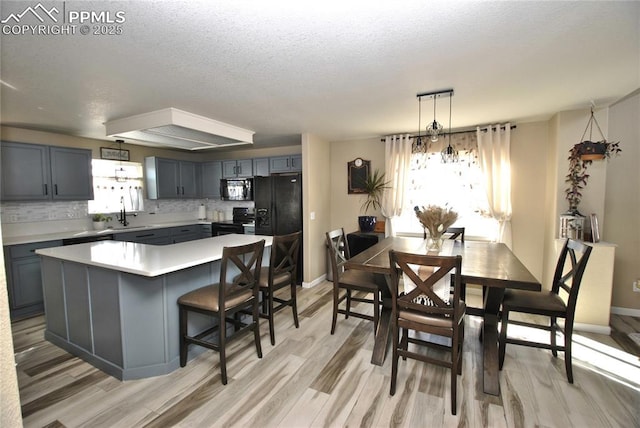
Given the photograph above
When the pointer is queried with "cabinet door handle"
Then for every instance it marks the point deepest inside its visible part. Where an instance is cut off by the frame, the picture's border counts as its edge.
(239, 169)
(177, 190)
(55, 189)
(183, 190)
(46, 189)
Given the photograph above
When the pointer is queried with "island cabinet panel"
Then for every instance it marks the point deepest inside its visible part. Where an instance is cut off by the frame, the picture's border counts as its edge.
(76, 294)
(56, 314)
(143, 316)
(105, 315)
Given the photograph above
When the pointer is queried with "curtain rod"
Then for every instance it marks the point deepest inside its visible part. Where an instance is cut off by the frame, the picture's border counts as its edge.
(444, 134)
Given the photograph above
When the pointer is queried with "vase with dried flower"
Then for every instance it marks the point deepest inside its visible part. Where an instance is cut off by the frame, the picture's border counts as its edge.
(436, 220)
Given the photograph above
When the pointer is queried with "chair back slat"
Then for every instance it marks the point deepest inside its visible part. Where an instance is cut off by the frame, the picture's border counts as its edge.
(240, 270)
(572, 262)
(338, 248)
(425, 282)
(285, 250)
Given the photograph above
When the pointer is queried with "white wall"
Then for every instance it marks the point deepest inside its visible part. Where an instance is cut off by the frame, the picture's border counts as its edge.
(316, 203)
(345, 207)
(622, 201)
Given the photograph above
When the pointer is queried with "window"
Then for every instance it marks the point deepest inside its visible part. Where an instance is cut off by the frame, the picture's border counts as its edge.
(457, 185)
(116, 185)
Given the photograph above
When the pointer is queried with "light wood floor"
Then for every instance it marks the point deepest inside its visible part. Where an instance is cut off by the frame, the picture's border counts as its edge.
(313, 379)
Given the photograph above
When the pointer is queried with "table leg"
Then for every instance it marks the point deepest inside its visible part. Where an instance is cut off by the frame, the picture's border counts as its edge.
(384, 327)
(492, 301)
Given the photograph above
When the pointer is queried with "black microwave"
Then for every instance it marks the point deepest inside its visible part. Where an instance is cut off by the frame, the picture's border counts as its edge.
(236, 189)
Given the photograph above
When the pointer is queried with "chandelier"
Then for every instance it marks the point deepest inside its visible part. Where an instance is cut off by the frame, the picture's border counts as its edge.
(434, 129)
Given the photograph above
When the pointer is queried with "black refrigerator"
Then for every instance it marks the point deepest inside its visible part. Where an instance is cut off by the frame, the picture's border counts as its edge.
(278, 204)
(278, 201)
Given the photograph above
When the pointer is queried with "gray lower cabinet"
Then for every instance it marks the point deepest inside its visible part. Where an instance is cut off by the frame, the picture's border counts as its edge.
(152, 237)
(185, 233)
(33, 172)
(166, 236)
(24, 278)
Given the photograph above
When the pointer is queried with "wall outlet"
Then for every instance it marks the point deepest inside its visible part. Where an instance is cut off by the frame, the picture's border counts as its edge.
(636, 285)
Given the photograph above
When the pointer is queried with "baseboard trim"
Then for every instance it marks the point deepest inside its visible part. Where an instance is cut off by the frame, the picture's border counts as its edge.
(625, 311)
(592, 328)
(314, 282)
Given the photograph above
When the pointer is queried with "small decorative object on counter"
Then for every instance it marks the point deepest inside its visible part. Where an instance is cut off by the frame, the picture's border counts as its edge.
(99, 221)
(436, 220)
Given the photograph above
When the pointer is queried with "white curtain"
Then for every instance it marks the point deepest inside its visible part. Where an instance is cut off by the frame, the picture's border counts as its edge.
(494, 155)
(397, 162)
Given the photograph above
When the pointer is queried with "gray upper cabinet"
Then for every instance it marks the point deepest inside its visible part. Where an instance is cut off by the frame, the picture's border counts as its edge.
(71, 174)
(261, 167)
(171, 178)
(291, 163)
(33, 172)
(237, 168)
(211, 175)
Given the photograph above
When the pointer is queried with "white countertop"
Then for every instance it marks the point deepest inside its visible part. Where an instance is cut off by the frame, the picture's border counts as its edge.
(27, 239)
(150, 260)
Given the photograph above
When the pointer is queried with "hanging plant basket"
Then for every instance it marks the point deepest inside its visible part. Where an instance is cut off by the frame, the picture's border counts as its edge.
(592, 151)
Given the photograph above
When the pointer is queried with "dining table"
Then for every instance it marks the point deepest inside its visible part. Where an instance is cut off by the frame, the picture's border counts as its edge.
(491, 265)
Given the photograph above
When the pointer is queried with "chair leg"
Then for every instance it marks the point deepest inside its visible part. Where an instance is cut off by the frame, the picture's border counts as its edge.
(222, 338)
(272, 333)
(346, 315)
(335, 308)
(184, 347)
(567, 353)
(454, 375)
(256, 326)
(461, 342)
(394, 361)
(503, 337)
(405, 341)
(554, 332)
(294, 304)
(376, 311)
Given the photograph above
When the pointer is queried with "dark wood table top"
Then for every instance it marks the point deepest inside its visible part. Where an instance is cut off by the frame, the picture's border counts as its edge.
(484, 263)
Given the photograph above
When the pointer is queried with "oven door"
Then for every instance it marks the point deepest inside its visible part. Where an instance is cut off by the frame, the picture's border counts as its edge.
(218, 229)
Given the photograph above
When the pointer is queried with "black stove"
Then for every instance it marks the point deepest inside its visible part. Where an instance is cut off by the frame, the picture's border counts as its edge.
(241, 216)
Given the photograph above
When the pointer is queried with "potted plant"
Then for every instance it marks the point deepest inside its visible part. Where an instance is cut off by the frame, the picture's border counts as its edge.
(99, 221)
(374, 186)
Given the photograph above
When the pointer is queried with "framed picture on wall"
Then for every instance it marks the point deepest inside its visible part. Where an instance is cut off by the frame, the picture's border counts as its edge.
(357, 173)
(114, 154)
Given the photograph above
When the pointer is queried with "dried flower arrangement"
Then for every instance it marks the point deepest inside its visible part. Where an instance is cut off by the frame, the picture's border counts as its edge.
(436, 219)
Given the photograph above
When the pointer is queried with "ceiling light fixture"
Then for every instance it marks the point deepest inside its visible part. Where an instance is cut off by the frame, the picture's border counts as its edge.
(121, 174)
(449, 154)
(434, 129)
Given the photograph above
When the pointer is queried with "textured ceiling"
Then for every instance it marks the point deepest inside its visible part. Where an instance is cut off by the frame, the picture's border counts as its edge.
(339, 69)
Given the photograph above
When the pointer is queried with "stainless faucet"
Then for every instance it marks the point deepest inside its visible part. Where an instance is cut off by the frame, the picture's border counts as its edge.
(123, 213)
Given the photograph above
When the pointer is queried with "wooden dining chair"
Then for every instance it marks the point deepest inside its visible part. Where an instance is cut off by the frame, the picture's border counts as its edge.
(550, 304)
(350, 281)
(282, 272)
(425, 306)
(234, 295)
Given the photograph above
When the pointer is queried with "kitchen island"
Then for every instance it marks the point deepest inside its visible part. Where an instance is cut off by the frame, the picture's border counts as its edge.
(114, 304)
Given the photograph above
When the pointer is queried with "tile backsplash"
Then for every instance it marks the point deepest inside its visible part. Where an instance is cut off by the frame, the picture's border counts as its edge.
(38, 217)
